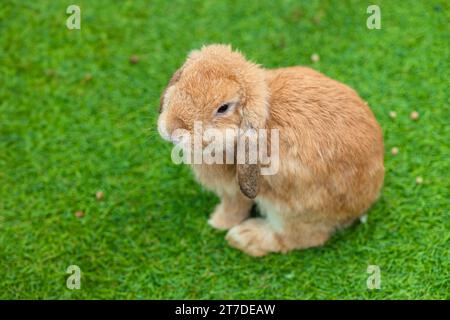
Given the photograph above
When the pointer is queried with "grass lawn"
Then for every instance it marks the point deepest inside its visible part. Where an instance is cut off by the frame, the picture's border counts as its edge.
(77, 117)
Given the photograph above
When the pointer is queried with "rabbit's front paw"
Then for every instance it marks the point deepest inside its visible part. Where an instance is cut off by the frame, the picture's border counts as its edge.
(224, 217)
(253, 236)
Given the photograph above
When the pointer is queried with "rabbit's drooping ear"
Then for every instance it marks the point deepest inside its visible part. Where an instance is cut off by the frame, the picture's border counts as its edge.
(176, 76)
(254, 115)
(248, 171)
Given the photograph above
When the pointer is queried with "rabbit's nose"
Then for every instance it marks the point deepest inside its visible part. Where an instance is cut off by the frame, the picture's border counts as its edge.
(175, 123)
(168, 124)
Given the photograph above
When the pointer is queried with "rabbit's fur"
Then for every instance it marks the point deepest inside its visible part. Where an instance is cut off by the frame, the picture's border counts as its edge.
(330, 148)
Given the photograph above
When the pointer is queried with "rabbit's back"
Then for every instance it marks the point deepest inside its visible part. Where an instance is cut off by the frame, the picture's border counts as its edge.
(331, 148)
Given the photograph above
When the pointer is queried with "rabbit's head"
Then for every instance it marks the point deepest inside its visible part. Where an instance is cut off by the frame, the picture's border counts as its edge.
(219, 88)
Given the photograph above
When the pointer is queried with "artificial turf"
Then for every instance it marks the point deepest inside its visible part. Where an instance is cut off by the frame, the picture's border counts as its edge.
(77, 117)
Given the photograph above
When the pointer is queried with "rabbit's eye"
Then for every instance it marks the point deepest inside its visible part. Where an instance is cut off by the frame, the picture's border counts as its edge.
(223, 108)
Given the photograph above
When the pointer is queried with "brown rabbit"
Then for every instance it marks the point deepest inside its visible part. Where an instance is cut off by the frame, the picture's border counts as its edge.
(330, 148)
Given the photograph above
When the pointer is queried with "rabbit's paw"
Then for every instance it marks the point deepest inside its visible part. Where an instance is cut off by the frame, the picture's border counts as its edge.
(254, 236)
(223, 219)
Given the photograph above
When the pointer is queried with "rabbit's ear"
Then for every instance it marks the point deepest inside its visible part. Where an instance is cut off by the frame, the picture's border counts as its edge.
(254, 115)
(176, 76)
(247, 167)
(248, 179)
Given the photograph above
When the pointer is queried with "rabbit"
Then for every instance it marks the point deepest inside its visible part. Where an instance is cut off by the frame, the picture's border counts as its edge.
(330, 148)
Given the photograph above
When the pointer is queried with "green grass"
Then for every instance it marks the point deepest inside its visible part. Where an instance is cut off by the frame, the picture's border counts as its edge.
(62, 138)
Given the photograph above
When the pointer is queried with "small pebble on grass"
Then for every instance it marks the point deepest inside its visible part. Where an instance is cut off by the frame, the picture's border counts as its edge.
(134, 59)
(79, 214)
(99, 195)
(394, 151)
(414, 115)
